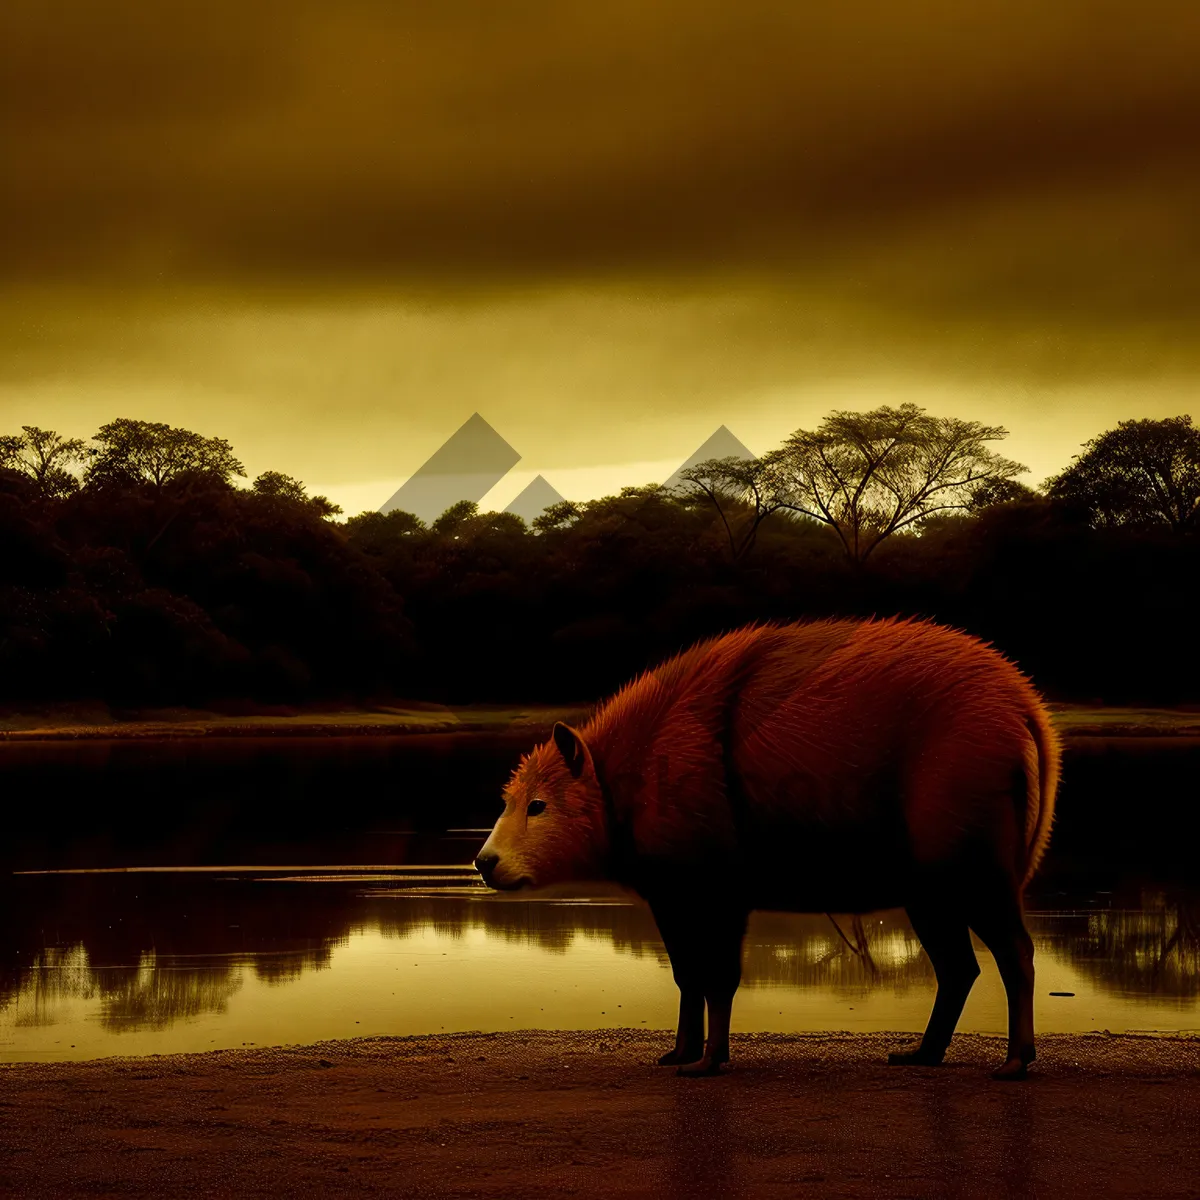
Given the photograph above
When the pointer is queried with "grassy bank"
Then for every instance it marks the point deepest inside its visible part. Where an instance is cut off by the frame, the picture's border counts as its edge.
(414, 717)
(386, 720)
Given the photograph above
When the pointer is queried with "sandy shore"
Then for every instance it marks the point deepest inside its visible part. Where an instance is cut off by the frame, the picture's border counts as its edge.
(585, 1114)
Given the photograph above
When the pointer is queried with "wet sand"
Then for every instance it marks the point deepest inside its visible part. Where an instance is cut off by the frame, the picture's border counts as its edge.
(585, 1114)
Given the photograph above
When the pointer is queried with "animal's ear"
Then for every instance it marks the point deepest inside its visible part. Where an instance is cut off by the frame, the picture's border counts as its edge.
(572, 748)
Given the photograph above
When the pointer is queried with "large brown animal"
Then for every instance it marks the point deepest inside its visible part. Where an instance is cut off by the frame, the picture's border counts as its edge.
(838, 766)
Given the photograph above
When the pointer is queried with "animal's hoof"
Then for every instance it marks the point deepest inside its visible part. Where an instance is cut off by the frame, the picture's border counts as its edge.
(676, 1058)
(701, 1068)
(915, 1058)
(1014, 1069)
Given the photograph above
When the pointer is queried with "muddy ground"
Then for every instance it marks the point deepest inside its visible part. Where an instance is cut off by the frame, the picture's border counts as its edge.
(585, 1114)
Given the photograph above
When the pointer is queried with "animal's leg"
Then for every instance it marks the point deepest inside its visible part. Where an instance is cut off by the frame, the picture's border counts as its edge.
(689, 1037)
(1001, 927)
(947, 941)
(722, 975)
(680, 935)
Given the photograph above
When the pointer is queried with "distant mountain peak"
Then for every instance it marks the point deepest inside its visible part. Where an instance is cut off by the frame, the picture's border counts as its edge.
(534, 499)
(465, 467)
(720, 444)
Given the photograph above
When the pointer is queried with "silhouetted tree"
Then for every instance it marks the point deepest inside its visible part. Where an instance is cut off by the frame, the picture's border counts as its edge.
(1141, 473)
(376, 530)
(454, 517)
(45, 457)
(278, 486)
(171, 585)
(999, 491)
(557, 516)
(743, 492)
(131, 452)
(869, 475)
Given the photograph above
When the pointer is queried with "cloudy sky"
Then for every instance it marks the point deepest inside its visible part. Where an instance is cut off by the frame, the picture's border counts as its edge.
(331, 232)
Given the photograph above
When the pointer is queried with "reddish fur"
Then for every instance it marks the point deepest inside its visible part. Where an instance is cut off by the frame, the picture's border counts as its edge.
(830, 709)
(832, 766)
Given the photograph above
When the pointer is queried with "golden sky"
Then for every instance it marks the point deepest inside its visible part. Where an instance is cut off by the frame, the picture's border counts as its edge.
(331, 232)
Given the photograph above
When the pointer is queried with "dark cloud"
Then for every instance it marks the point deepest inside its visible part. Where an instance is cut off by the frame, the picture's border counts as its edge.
(332, 229)
(1038, 152)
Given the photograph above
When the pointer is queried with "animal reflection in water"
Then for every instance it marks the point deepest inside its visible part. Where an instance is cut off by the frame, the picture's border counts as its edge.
(834, 766)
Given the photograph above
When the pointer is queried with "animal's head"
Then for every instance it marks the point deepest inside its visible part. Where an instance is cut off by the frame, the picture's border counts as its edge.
(552, 829)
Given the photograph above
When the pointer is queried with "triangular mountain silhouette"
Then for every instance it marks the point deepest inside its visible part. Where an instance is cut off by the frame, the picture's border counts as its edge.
(534, 499)
(466, 467)
(722, 444)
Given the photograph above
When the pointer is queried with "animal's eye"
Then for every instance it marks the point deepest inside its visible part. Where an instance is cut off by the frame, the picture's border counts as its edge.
(535, 807)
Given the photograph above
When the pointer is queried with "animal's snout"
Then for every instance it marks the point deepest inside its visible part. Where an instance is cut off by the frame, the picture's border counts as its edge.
(485, 864)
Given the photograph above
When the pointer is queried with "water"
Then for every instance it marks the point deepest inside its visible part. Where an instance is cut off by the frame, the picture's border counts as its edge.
(150, 963)
(358, 916)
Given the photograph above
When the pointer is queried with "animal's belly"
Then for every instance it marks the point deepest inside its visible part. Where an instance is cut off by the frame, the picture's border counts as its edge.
(828, 871)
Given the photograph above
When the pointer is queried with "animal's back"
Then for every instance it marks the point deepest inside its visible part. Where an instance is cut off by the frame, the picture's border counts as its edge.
(906, 742)
(851, 753)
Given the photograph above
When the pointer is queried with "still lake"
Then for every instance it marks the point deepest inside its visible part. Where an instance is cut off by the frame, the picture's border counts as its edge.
(224, 893)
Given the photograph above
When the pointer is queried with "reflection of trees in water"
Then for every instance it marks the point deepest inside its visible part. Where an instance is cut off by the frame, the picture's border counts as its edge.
(288, 966)
(58, 973)
(152, 995)
(147, 955)
(157, 951)
(157, 995)
(551, 926)
(782, 949)
(807, 951)
(1154, 949)
(152, 950)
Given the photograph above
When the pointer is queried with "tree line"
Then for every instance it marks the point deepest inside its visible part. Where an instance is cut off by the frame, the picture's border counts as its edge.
(137, 570)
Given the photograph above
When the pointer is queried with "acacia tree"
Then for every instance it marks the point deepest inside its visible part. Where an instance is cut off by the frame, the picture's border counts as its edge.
(744, 492)
(131, 452)
(869, 475)
(45, 457)
(1141, 473)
